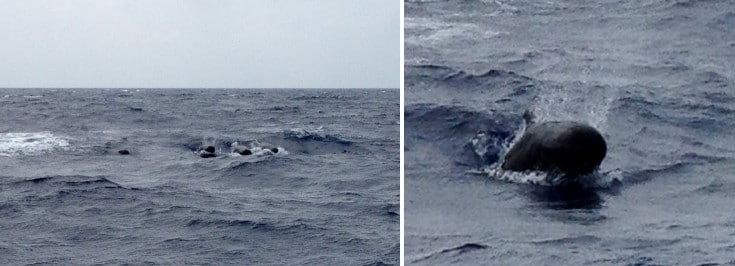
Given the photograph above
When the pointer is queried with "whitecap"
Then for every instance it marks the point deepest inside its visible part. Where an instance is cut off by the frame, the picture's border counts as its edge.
(19, 144)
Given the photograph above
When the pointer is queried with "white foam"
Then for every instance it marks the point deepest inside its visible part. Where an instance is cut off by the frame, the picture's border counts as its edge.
(19, 144)
(261, 151)
(528, 177)
(481, 141)
(593, 180)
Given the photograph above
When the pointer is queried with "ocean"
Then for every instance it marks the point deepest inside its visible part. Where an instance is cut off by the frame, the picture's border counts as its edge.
(117, 176)
(655, 77)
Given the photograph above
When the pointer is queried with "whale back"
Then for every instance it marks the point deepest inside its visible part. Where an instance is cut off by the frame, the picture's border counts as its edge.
(570, 147)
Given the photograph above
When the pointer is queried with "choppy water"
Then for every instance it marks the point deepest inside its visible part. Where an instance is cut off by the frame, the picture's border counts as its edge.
(329, 195)
(657, 78)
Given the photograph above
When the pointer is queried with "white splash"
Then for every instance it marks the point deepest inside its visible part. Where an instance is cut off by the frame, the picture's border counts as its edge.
(305, 132)
(593, 180)
(529, 177)
(482, 142)
(590, 105)
(19, 144)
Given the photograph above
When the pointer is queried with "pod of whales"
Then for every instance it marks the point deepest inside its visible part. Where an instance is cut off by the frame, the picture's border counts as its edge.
(251, 148)
(247, 149)
(561, 147)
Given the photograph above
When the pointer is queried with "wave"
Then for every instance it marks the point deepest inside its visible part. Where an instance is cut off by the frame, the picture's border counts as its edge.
(67, 190)
(323, 96)
(489, 90)
(713, 78)
(484, 77)
(578, 240)
(307, 135)
(210, 222)
(694, 111)
(317, 142)
(724, 22)
(453, 252)
(255, 167)
(693, 3)
(297, 226)
(392, 210)
(718, 185)
(457, 79)
(69, 181)
(472, 138)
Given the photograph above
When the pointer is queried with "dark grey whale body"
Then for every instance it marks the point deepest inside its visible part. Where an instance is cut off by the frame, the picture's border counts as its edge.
(248, 150)
(563, 147)
(207, 152)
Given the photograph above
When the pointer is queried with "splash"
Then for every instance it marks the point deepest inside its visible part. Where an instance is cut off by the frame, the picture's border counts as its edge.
(20, 144)
(595, 180)
(531, 177)
(486, 145)
(586, 104)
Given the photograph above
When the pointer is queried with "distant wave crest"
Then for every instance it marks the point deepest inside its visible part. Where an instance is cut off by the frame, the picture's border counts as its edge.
(308, 135)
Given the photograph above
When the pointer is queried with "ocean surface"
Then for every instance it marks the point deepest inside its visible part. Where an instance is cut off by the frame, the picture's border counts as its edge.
(328, 195)
(657, 78)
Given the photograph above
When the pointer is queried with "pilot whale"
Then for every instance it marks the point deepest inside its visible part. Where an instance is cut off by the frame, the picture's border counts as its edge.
(567, 148)
(252, 148)
(207, 152)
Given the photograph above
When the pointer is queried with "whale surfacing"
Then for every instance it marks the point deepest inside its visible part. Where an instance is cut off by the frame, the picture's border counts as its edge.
(254, 148)
(207, 152)
(565, 147)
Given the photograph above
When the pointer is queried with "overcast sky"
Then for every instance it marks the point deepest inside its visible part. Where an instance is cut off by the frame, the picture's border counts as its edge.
(201, 44)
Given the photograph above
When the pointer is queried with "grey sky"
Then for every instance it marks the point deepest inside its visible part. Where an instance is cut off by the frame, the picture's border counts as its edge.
(187, 43)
